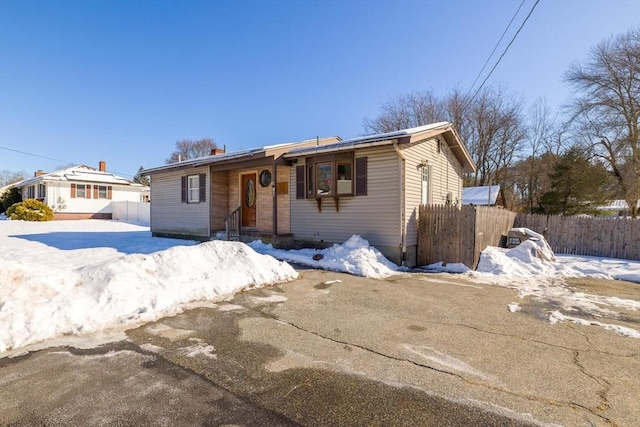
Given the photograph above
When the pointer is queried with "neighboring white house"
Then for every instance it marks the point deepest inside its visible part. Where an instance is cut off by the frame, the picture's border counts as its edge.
(82, 191)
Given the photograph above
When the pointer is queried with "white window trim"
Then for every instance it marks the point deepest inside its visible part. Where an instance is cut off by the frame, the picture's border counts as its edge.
(191, 198)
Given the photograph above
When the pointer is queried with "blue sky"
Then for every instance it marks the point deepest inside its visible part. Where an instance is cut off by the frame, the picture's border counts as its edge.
(122, 81)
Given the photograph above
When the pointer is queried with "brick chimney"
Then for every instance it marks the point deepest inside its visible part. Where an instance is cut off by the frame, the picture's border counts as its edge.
(102, 166)
(39, 172)
(216, 151)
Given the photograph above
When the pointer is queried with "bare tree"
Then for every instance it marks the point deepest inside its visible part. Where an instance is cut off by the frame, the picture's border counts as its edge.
(189, 149)
(491, 125)
(606, 108)
(496, 133)
(406, 111)
(541, 137)
(9, 177)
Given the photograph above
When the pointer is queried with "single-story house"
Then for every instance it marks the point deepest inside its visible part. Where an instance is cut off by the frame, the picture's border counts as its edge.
(485, 195)
(316, 192)
(81, 191)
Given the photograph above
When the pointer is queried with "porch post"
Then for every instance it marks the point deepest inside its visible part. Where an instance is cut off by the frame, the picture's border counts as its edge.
(274, 189)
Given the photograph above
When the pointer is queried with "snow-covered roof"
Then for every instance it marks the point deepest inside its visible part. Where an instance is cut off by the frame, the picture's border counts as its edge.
(365, 140)
(232, 155)
(483, 195)
(80, 173)
(616, 205)
(410, 135)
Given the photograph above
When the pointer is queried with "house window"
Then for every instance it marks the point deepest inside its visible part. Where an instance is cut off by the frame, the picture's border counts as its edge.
(42, 191)
(31, 192)
(102, 191)
(194, 188)
(324, 179)
(332, 176)
(81, 191)
(344, 178)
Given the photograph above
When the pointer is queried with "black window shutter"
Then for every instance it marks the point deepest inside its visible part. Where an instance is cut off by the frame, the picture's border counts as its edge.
(202, 181)
(361, 176)
(184, 189)
(299, 182)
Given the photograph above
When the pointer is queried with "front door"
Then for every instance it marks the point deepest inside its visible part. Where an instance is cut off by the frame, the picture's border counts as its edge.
(249, 200)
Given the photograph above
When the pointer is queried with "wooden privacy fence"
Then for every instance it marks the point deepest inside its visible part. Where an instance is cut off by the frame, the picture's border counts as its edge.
(607, 237)
(451, 234)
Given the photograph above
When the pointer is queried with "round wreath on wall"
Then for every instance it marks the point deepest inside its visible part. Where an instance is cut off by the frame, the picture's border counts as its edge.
(265, 178)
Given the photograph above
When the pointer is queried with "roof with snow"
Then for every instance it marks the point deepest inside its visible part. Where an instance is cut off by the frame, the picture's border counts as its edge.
(403, 136)
(616, 205)
(485, 195)
(235, 155)
(80, 173)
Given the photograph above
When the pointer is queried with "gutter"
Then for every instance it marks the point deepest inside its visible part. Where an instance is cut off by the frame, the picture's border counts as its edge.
(403, 225)
(332, 147)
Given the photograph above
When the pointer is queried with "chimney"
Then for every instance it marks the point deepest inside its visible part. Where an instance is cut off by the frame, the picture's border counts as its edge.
(102, 166)
(216, 151)
(39, 172)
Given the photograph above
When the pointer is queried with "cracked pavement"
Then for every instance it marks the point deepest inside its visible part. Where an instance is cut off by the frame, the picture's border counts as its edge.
(335, 349)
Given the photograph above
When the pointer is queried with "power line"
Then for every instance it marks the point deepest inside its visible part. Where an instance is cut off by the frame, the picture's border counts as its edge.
(497, 44)
(51, 158)
(34, 155)
(501, 56)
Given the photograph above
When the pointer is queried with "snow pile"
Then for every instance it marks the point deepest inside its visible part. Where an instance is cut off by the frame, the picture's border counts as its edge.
(42, 301)
(529, 257)
(355, 256)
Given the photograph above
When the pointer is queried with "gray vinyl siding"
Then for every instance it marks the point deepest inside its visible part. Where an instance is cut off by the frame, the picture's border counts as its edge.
(375, 217)
(169, 215)
(445, 176)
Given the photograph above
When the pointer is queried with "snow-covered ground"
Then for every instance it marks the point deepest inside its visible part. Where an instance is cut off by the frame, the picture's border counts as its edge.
(74, 277)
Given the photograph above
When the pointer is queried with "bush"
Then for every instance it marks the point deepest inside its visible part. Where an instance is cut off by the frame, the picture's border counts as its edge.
(9, 198)
(30, 210)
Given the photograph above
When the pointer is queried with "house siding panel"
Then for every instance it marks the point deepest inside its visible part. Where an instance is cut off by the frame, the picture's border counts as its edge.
(219, 199)
(375, 217)
(445, 176)
(169, 215)
(284, 210)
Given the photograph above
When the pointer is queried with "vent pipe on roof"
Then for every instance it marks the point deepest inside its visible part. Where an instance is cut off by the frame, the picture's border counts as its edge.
(102, 166)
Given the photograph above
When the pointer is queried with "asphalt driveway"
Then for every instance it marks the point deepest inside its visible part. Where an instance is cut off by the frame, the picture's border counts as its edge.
(334, 349)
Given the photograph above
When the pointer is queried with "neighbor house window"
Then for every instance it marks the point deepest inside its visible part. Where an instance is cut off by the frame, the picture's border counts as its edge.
(194, 188)
(80, 191)
(42, 191)
(31, 192)
(101, 191)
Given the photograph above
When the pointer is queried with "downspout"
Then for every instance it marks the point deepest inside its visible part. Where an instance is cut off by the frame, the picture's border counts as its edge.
(403, 225)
